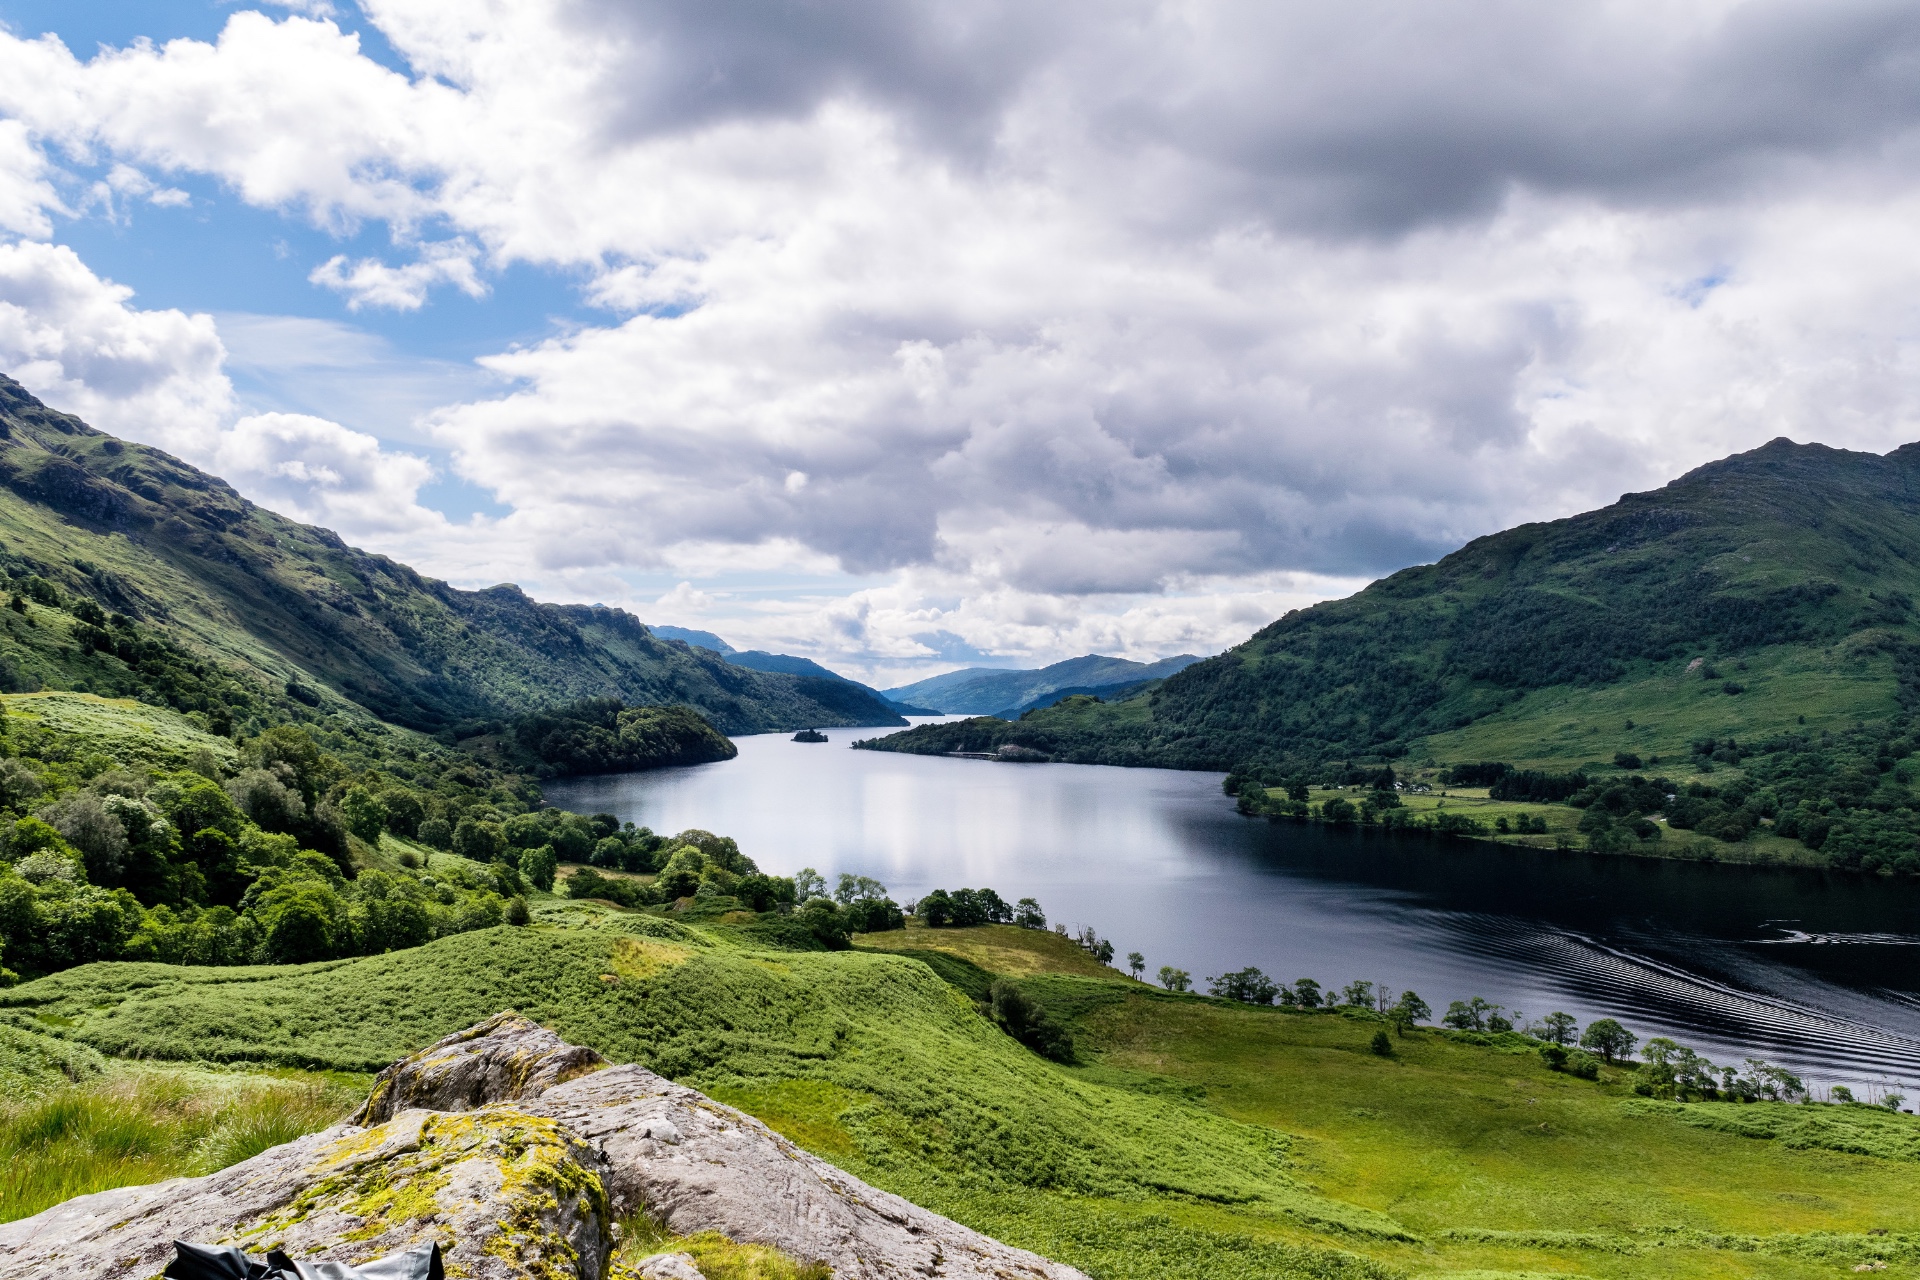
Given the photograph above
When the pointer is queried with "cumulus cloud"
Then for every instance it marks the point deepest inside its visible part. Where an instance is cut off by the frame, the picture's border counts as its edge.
(372, 283)
(72, 339)
(1063, 323)
(157, 376)
(324, 473)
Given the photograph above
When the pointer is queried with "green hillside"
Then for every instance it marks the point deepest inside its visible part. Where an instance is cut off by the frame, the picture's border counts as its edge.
(189, 595)
(1762, 594)
(1192, 1138)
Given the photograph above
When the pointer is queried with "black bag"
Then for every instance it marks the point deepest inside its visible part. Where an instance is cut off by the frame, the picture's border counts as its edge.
(226, 1262)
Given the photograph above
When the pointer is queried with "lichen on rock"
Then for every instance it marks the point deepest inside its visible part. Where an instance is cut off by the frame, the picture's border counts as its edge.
(515, 1151)
(499, 1060)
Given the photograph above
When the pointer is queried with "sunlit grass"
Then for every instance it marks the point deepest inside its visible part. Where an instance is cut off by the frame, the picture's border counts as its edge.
(716, 1257)
(142, 1125)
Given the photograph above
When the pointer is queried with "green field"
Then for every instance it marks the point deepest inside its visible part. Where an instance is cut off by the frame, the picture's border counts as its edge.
(1787, 689)
(1192, 1138)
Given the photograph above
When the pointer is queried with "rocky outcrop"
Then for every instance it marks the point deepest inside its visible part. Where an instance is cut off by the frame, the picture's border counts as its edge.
(517, 1152)
(502, 1059)
(507, 1195)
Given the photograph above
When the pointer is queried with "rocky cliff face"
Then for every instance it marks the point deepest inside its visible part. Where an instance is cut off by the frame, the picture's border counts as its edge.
(518, 1153)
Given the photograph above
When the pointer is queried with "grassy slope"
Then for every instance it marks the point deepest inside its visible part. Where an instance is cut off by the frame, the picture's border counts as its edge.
(179, 550)
(1196, 1138)
(132, 733)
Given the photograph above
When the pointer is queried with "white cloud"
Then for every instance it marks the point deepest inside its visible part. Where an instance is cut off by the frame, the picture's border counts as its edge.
(71, 339)
(157, 377)
(26, 194)
(371, 283)
(1067, 323)
(323, 473)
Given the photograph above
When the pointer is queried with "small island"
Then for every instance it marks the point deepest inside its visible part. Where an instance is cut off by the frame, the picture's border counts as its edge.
(809, 735)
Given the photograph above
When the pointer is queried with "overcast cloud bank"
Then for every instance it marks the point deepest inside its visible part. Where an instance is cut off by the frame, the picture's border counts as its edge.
(1037, 330)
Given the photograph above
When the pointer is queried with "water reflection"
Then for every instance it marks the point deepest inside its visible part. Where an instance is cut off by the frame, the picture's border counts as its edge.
(1815, 970)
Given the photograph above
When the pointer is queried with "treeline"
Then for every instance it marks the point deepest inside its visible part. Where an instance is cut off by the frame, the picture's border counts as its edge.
(1845, 794)
(1667, 1069)
(253, 862)
(604, 735)
(707, 873)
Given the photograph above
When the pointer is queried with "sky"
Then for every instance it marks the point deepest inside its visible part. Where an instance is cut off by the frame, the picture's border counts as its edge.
(909, 336)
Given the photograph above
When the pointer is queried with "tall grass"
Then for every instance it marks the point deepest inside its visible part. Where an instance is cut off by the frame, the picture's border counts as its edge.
(142, 1125)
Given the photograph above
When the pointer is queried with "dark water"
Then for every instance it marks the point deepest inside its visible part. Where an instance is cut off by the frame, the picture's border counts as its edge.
(1817, 971)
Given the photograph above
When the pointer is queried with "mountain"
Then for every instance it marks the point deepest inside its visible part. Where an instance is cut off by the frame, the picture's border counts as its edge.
(1768, 592)
(787, 664)
(992, 690)
(698, 639)
(218, 605)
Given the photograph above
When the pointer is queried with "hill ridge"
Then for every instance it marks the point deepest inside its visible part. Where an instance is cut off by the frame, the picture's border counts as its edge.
(164, 542)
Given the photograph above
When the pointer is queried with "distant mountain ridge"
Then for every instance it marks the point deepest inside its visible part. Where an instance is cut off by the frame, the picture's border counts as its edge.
(787, 664)
(698, 639)
(995, 691)
(290, 610)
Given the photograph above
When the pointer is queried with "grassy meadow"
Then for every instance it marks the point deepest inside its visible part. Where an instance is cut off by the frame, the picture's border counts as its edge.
(1191, 1138)
(1656, 711)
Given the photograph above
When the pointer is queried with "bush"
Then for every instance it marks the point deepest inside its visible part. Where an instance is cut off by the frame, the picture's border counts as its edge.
(517, 913)
(1381, 1043)
(1584, 1065)
(1555, 1056)
(1026, 1022)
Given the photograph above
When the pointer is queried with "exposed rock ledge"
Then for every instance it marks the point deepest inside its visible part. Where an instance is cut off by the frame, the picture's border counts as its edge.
(517, 1152)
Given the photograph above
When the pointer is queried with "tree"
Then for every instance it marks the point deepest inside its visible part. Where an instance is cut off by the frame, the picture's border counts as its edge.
(538, 866)
(405, 813)
(1028, 915)
(86, 824)
(1559, 1028)
(1175, 979)
(517, 913)
(366, 815)
(680, 878)
(1137, 963)
(1306, 993)
(852, 889)
(1357, 995)
(1609, 1039)
(1410, 1011)
(808, 884)
(936, 908)
(478, 841)
(1474, 1015)
(1248, 985)
(1381, 1044)
(1339, 810)
(436, 833)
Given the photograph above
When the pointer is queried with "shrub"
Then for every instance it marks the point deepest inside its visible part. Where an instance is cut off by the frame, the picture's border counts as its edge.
(1026, 1022)
(1381, 1043)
